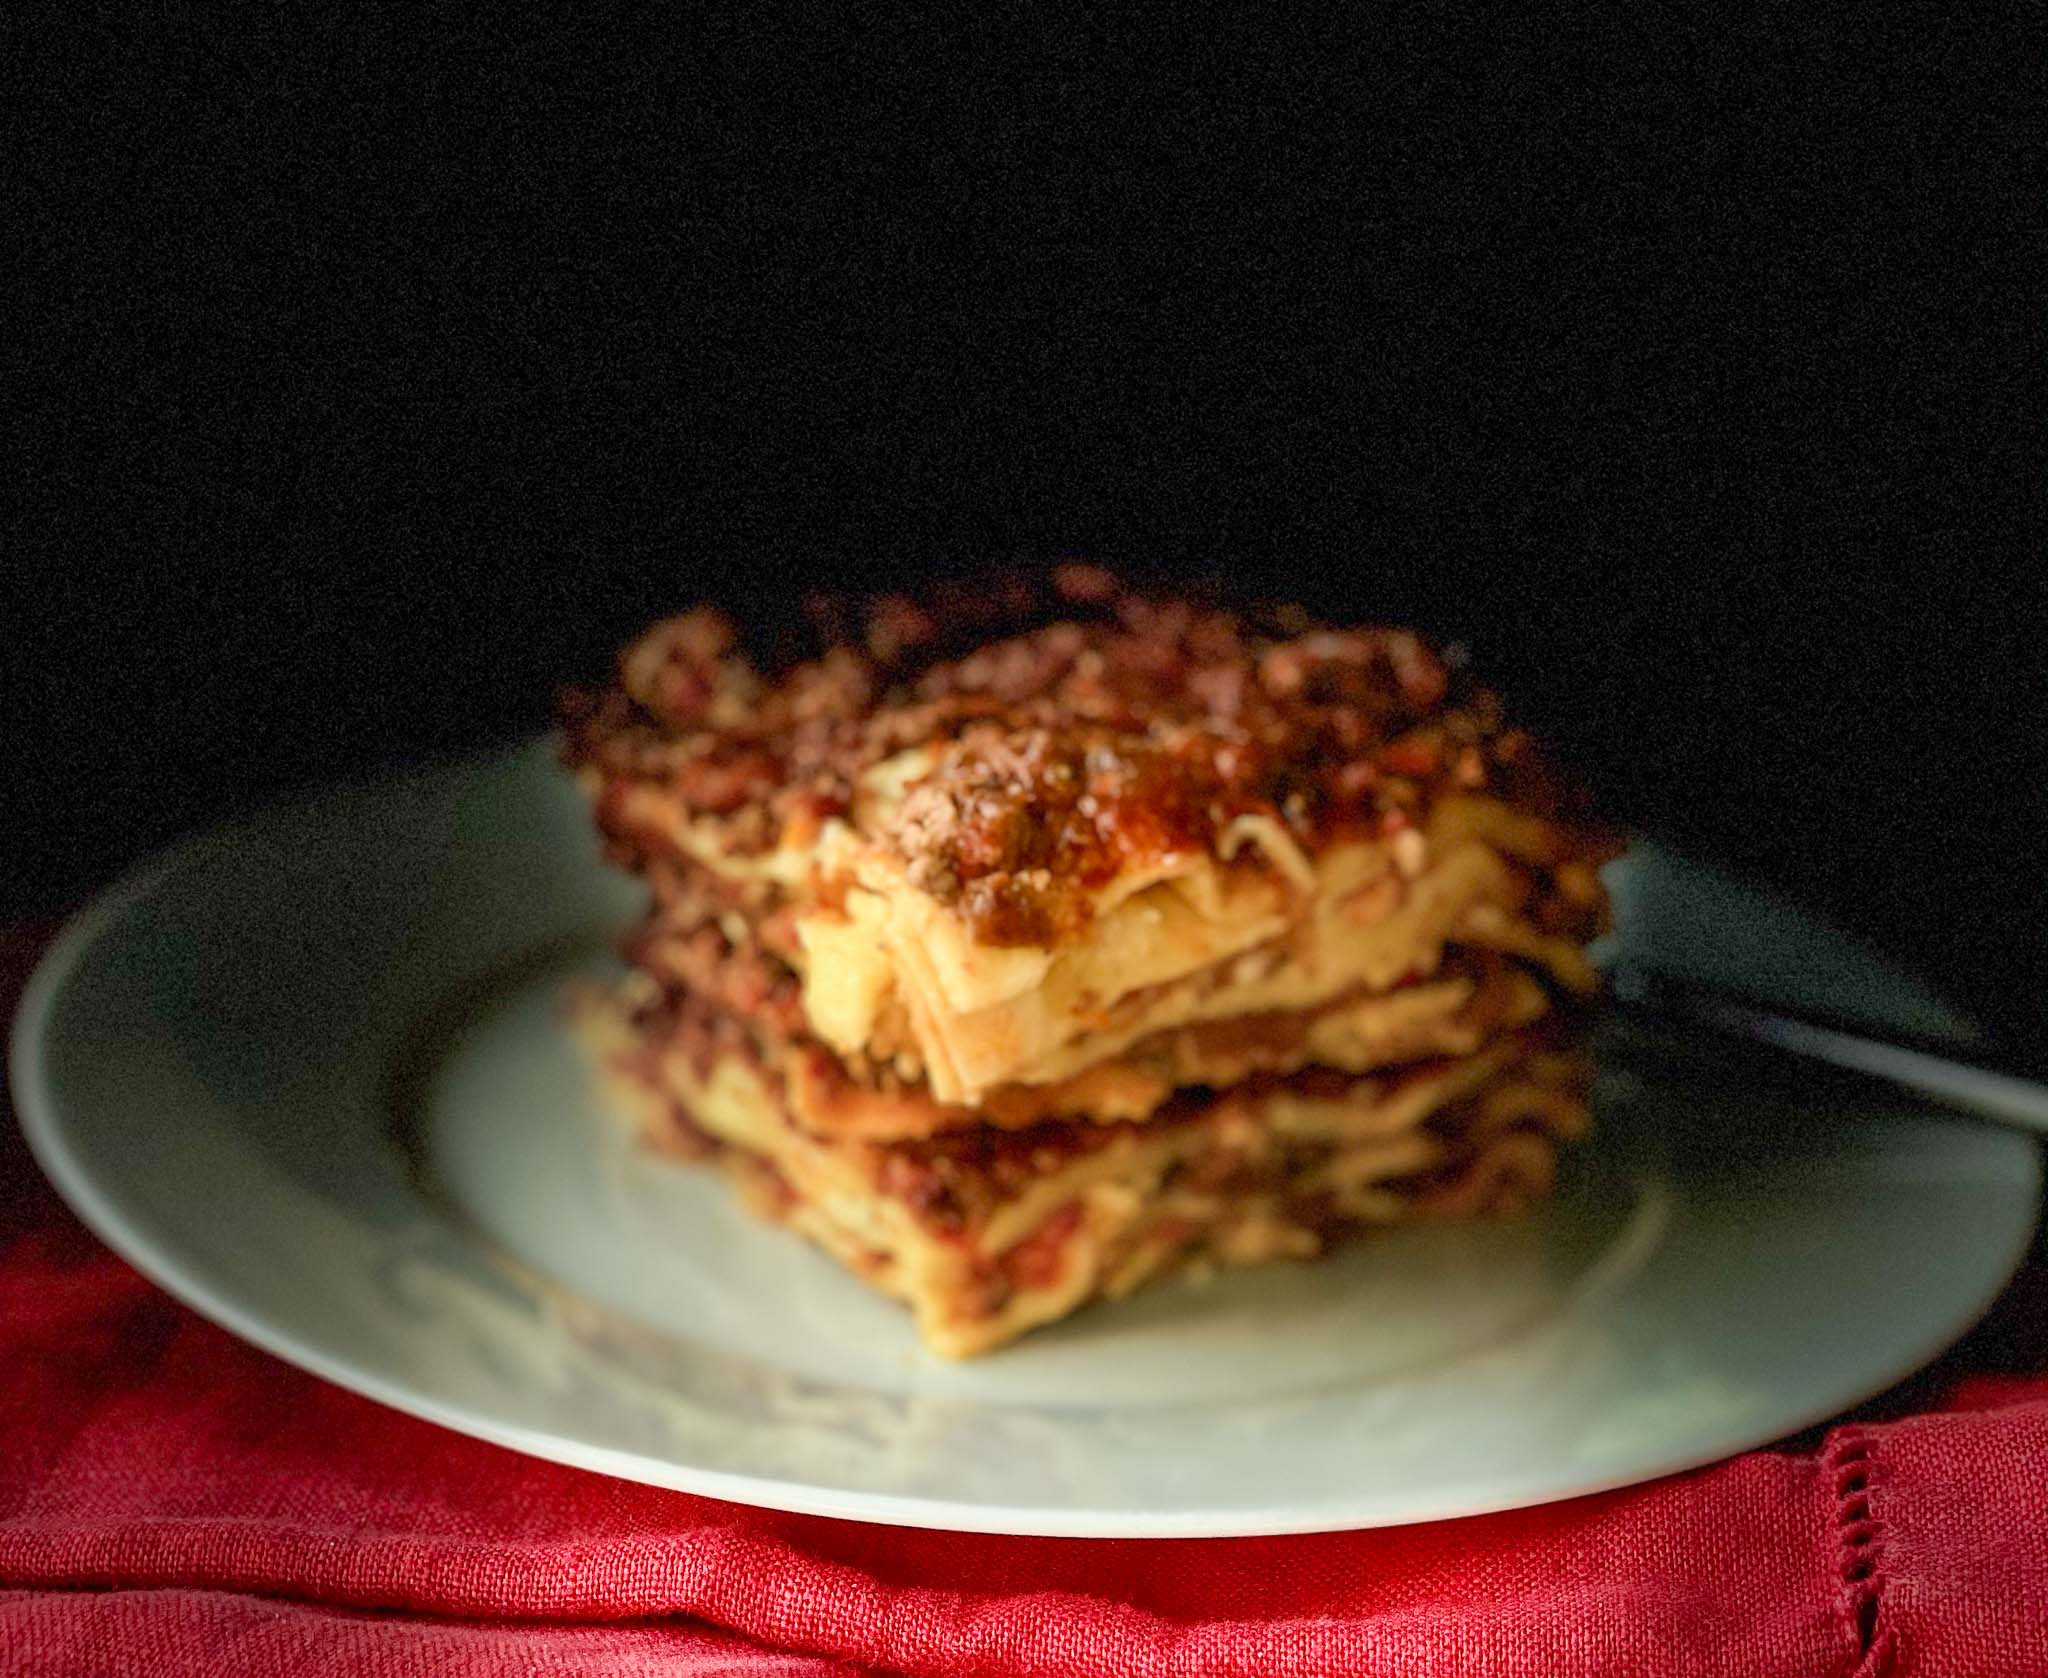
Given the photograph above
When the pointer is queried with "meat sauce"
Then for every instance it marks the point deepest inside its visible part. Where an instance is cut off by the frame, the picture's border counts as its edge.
(1127, 730)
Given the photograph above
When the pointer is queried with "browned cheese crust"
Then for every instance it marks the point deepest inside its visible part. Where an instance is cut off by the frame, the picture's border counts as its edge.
(1129, 728)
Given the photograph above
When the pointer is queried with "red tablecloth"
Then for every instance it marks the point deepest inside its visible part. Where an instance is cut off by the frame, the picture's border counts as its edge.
(172, 1501)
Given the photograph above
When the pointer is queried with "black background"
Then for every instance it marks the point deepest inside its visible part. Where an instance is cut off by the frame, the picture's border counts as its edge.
(368, 374)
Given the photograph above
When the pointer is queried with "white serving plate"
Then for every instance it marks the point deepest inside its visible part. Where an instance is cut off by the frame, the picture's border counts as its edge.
(308, 1075)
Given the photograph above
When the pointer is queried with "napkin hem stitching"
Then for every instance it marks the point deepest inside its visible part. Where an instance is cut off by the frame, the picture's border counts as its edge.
(1854, 1478)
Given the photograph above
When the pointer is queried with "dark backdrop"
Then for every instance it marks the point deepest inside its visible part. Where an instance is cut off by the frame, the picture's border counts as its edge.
(367, 378)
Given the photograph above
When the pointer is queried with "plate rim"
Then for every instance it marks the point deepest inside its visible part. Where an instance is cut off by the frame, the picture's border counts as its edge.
(37, 1110)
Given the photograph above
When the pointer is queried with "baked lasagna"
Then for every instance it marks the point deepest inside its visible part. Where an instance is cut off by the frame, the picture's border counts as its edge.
(1022, 947)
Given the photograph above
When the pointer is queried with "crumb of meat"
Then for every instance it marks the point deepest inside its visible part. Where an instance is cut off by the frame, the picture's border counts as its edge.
(925, 830)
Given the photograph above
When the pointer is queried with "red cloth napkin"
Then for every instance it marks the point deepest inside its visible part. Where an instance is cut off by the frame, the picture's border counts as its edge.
(176, 1502)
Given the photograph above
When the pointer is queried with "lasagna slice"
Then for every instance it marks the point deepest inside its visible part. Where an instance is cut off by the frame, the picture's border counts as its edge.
(1100, 879)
